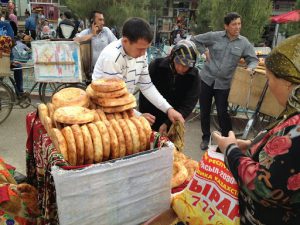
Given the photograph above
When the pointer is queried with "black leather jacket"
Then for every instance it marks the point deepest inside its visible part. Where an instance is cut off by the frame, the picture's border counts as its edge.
(181, 91)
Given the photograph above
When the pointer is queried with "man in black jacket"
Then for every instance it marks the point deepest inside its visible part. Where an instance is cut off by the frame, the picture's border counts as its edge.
(177, 79)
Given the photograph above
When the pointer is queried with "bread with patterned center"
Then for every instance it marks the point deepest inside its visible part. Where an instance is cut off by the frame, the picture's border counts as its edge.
(108, 84)
(73, 115)
(112, 94)
(70, 97)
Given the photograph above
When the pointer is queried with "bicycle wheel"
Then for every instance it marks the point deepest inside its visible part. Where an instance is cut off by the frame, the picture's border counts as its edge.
(7, 99)
(239, 117)
(46, 90)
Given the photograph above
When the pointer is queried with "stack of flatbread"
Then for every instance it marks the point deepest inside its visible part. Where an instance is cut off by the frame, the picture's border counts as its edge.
(111, 95)
(86, 136)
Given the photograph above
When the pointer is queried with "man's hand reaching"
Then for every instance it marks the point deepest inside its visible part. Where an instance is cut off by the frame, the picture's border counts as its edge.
(174, 115)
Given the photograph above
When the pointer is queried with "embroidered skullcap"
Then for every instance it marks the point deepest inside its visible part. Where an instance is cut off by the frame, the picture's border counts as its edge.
(284, 60)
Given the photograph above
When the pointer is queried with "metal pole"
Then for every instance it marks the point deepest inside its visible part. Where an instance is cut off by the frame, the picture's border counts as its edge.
(275, 35)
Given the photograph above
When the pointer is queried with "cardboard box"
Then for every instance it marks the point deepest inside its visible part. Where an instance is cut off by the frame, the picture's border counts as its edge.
(246, 92)
(125, 191)
(57, 61)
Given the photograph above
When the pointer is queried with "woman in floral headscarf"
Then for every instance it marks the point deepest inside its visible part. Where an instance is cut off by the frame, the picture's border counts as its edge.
(268, 173)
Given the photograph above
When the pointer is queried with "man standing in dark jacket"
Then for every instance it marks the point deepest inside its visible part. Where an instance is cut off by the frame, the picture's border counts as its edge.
(177, 79)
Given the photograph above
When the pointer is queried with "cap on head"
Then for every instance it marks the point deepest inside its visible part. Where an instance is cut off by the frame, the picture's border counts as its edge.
(184, 53)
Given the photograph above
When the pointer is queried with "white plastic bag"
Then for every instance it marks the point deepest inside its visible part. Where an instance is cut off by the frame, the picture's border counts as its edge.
(127, 191)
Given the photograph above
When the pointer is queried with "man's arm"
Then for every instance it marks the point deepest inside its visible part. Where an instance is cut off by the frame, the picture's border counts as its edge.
(84, 35)
(250, 56)
(202, 41)
(152, 94)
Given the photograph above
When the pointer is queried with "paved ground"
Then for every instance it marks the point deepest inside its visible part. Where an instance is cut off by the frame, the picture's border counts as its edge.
(13, 138)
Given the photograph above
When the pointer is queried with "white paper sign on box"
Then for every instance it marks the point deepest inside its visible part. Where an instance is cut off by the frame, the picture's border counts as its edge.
(57, 61)
(127, 191)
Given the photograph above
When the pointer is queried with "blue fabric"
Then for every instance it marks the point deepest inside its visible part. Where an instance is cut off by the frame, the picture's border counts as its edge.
(30, 22)
(6, 29)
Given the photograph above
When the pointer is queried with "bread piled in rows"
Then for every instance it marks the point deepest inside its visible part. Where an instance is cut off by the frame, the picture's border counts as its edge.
(86, 136)
(183, 169)
(111, 95)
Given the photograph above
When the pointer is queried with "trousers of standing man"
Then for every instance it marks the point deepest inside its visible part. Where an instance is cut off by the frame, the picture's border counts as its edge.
(207, 93)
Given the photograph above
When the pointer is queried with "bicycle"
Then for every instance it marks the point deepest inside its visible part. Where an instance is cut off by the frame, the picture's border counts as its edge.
(9, 96)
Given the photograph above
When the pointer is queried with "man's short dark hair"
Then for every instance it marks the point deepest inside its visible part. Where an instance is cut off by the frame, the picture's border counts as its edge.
(68, 14)
(93, 14)
(230, 17)
(137, 28)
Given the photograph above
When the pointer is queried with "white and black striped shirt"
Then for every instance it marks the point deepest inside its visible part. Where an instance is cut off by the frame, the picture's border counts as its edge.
(113, 61)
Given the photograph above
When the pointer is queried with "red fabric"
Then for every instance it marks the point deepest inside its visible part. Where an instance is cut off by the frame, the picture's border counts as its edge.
(10, 167)
(4, 196)
(40, 157)
(293, 16)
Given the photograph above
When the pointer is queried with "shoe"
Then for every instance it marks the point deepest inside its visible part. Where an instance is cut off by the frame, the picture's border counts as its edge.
(204, 145)
(24, 94)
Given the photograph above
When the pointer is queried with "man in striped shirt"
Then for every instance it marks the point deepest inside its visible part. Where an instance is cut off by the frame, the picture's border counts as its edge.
(126, 58)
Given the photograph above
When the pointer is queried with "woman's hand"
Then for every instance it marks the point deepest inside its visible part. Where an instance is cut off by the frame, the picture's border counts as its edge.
(243, 144)
(224, 142)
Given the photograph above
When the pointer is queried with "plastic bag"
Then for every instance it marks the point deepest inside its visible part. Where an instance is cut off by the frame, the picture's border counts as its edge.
(176, 135)
(211, 197)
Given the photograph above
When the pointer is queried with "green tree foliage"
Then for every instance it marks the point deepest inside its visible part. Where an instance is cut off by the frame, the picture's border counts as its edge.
(291, 28)
(255, 15)
(115, 11)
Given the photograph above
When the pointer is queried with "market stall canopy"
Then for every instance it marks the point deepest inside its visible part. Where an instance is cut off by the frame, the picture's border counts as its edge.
(292, 16)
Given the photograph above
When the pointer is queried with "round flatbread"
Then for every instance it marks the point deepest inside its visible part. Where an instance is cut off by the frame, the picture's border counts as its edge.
(105, 139)
(48, 124)
(110, 116)
(179, 156)
(191, 166)
(88, 145)
(108, 84)
(59, 142)
(134, 135)
(112, 102)
(113, 94)
(114, 144)
(101, 114)
(70, 97)
(97, 142)
(69, 137)
(130, 113)
(51, 110)
(180, 174)
(79, 143)
(43, 112)
(142, 134)
(118, 116)
(120, 136)
(147, 129)
(73, 115)
(125, 115)
(96, 116)
(127, 136)
(119, 108)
